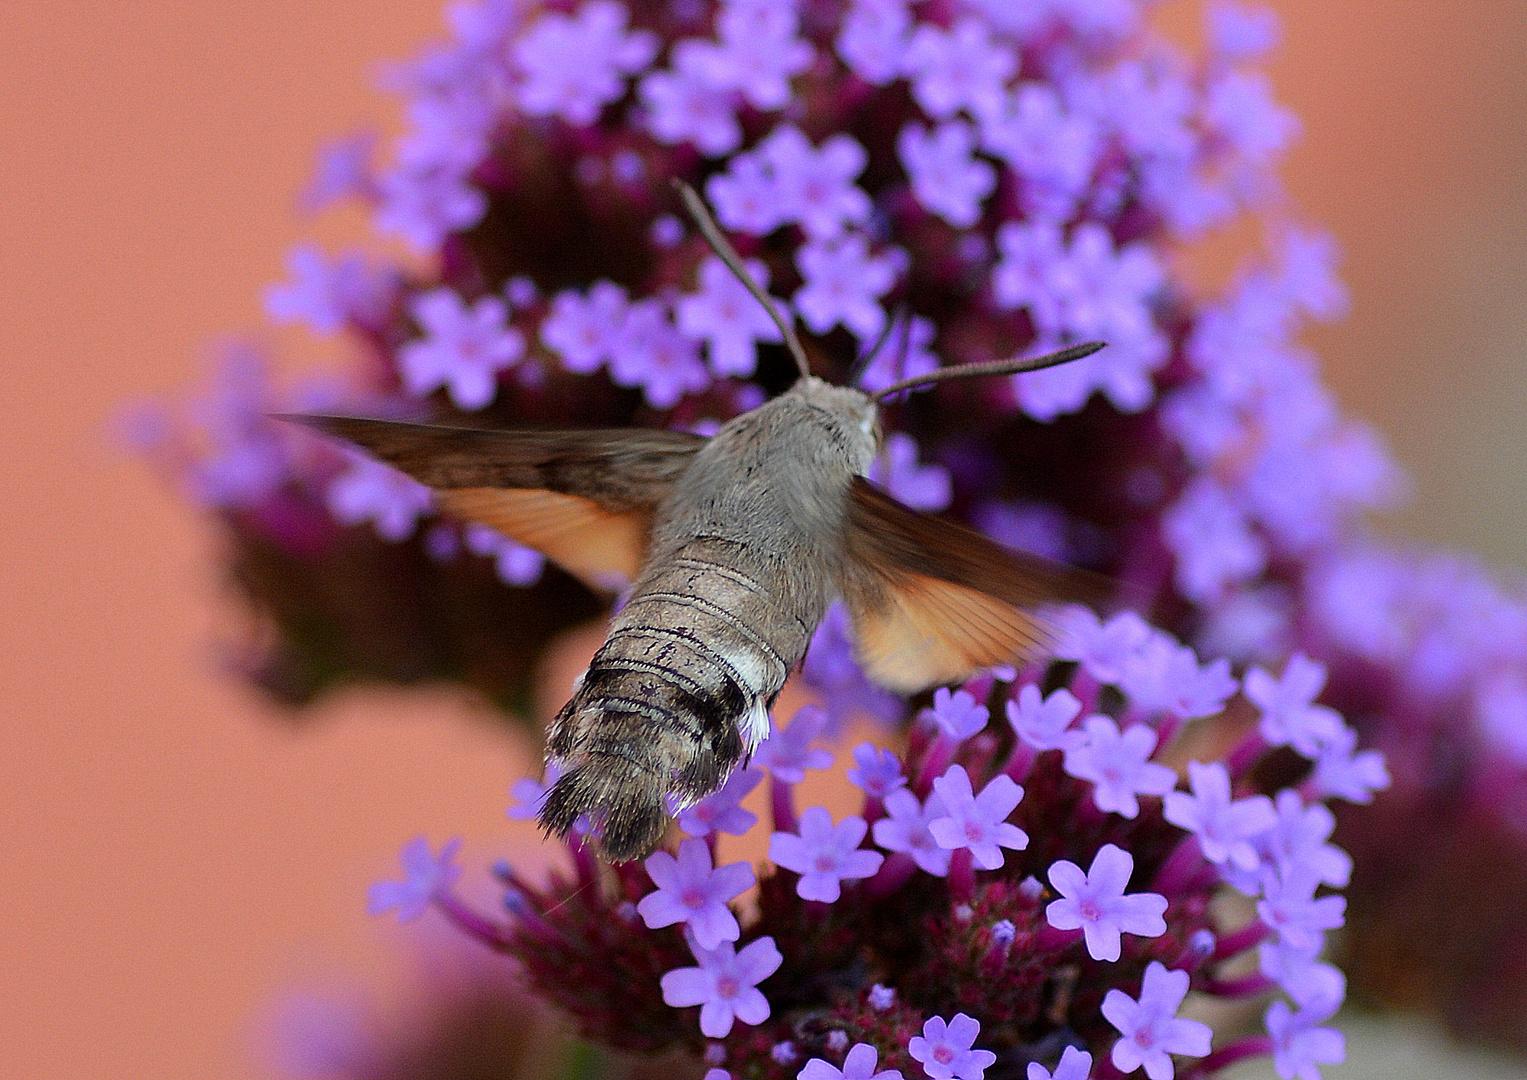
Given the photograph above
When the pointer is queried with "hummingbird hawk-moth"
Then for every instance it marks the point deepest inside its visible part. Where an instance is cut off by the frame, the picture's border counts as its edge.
(734, 545)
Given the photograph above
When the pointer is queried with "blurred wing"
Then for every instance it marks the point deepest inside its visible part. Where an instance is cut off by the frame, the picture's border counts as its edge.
(934, 602)
(585, 499)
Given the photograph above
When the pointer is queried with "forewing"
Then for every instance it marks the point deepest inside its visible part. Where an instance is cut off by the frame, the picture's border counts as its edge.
(933, 602)
(583, 498)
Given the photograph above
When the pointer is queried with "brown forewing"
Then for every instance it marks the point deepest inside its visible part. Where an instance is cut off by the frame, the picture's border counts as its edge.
(583, 498)
(934, 602)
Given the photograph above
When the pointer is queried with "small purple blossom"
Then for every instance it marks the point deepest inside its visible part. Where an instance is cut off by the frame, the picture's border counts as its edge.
(946, 176)
(689, 891)
(1343, 772)
(425, 205)
(1212, 537)
(727, 317)
(881, 997)
(1102, 649)
(1094, 902)
(343, 170)
(959, 68)
(745, 196)
(1298, 838)
(463, 347)
(572, 66)
(1224, 829)
(814, 185)
(758, 54)
(824, 855)
(1239, 32)
(876, 772)
(1163, 676)
(896, 469)
(326, 295)
(725, 985)
(528, 795)
(944, 1049)
(721, 811)
(686, 105)
(1052, 149)
(1150, 1027)
(905, 829)
(1119, 765)
(1302, 975)
(858, 1064)
(586, 331)
(371, 491)
(426, 876)
(956, 714)
(1074, 1065)
(843, 285)
(1300, 1044)
(787, 753)
(1290, 716)
(1044, 723)
(1290, 908)
(874, 38)
(978, 822)
(653, 354)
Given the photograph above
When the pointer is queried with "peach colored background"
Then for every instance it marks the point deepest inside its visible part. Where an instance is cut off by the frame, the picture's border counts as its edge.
(172, 855)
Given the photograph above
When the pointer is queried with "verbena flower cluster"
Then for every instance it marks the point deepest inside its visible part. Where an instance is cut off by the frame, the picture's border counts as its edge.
(1028, 886)
(957, 180)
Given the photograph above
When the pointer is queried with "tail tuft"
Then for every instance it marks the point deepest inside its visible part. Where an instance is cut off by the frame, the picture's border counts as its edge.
(626, 799)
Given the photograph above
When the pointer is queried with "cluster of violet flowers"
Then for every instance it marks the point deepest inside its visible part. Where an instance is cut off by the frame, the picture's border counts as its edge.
(1027, 886)
(959, 180)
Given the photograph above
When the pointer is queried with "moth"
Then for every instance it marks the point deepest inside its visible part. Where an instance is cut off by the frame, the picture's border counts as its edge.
(735, 545)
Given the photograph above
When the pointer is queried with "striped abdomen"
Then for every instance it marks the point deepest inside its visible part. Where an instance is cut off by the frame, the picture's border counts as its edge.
(676, 696)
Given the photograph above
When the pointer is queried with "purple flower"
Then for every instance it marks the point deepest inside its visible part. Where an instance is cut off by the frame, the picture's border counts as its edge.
(1239, 32)
(787, 752)
(1212, 538)
(425, 877)
(759, 52)
(859, 1064)
(944, 1049)
(1300, 1044)
(874, 38)
(876, 772)
(1163, 676)
(824, 855)
(586, 331)
(1102, 649)
(654, 355)
(463, 348)
(946, 178)
(1301, 974)
(1074, 1065)
(1044, 723)
(907, 352)
(343, 170)
(1298, 839)
(895, 468)
(843, 284)
(1095, 903)
(960, 68)
(1224, 828)
(1343, 773)
(978, 822)
(690, 892)
(1289, 907)
(573, 66)
(1150, 1027)
(686, 105)
(957, 715)
(1118, 765)
(725, 985)
(727, 317)
(325, 295)
(745, 196)
(371, 491)
(905, 829)
(529, 794)
(1052, 149)
(424, 206)
(815, 186)
(1290, 716)
(721, 811)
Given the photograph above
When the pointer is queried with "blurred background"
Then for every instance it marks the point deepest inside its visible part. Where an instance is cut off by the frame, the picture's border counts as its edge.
(176, 857)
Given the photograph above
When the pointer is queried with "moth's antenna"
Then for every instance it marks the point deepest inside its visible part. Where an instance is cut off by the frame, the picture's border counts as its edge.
(724, 250)
(861, 365)
(995, 367)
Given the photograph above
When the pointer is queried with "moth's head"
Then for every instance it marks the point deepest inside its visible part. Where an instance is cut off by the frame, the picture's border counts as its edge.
(854, 414)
